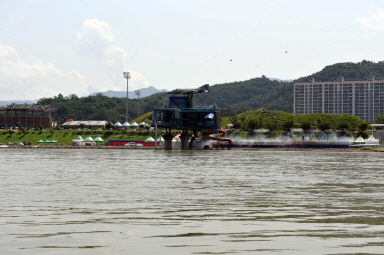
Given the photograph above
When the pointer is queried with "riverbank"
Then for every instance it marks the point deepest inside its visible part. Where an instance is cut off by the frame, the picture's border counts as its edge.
(65, 137)
(70, 147)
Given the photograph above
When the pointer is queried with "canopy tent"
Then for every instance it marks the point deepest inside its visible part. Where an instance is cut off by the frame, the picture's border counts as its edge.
(149, 139)
(78, 139)
(89, 139)
(359, 140)
(372, 140)
(47, 141)
(118, 124)
(126, 124)
(143, 124)
(176, 138)
(161, 139)
(134, 124)
(98, 139)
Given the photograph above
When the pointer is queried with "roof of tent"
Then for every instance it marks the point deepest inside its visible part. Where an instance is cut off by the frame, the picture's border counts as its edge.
(371, 139)
(359, 140)
(149, 139)
(89, 139)
(78, 139)
(86, 123)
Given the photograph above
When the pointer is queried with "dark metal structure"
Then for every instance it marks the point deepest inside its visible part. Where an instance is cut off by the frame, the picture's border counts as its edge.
(31, 116)
(181, 114)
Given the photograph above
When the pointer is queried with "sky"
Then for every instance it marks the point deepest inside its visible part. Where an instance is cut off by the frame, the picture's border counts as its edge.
(83, 46)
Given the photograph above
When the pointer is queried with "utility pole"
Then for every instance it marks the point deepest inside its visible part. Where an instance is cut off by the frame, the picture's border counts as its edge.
(127, 75)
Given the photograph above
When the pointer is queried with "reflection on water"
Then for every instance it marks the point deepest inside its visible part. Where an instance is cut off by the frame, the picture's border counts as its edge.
(200, 202)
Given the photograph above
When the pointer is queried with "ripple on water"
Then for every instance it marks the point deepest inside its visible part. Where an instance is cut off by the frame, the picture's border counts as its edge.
(211, 202)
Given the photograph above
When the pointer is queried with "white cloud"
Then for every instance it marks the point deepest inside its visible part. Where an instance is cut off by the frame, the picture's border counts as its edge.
(374, 21)
(97, 42)
(26, 78)
(95, 39)
(33, 79)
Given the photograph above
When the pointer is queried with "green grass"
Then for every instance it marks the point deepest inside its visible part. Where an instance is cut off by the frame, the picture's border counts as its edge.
(147, 117)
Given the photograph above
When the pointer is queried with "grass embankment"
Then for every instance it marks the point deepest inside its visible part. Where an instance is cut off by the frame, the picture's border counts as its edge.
(65, 137)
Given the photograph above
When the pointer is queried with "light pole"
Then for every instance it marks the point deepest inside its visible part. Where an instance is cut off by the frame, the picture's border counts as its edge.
(127, 75)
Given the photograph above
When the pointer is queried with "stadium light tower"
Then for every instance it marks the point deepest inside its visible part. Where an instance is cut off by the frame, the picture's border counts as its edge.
(127, 75)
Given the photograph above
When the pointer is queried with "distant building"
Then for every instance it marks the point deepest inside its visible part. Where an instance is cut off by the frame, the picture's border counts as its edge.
(85, 123)
(26, 116)
(364, 99)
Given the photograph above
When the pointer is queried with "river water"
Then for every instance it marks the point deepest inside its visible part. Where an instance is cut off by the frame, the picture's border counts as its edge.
(196, 202)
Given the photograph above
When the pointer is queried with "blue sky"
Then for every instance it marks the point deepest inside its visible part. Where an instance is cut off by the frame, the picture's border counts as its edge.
(50, 47)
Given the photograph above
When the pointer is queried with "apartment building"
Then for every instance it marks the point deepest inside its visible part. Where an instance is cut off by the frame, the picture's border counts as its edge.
(361, 98)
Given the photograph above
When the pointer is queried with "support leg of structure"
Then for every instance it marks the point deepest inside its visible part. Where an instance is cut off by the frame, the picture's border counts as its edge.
(168, 141)
(184, 138)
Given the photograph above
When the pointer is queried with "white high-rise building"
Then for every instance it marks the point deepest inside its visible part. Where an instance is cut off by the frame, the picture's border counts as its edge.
(361, 98)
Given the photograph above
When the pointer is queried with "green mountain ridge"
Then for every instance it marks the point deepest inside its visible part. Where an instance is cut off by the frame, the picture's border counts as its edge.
(232, 98)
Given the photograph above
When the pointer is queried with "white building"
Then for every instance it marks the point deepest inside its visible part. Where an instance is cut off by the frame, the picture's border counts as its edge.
(361, 98)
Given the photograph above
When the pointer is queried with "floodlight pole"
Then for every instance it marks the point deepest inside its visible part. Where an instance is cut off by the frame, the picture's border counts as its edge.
(127, 75)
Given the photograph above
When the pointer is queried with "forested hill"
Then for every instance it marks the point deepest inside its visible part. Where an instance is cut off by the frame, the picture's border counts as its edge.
(350, 71)
(251, 94)
(238, 96)
(232, 97)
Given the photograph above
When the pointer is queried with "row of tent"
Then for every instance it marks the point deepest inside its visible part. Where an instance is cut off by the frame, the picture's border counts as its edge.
(88, 139)
(151, 139)
(133, 124)
(161, 139)
(371, 140)
(46, 141)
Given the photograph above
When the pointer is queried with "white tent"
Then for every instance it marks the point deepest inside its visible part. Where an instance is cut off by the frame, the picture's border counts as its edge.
(126, 124)
(161, 139)
(98, 139)
(149, 139)
(78, 139)
(372, 140)
(359, 140)
(143, 123)
(89, 139)
(134, 124)
(118, 124)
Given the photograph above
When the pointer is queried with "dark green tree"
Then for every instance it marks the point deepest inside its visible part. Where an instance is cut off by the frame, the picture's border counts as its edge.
(306, 126)
(380, 119)
(324, 125)
(252, 124)
(362, 126)
(287, 125)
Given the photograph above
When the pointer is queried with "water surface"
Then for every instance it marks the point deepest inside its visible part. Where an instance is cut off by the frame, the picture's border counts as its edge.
(199, 202)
